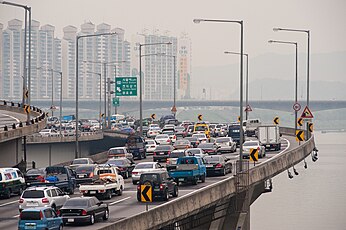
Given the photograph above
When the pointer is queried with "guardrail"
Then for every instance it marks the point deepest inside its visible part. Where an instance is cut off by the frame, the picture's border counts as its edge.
(83, 136)
(23, 128)
(204, 198)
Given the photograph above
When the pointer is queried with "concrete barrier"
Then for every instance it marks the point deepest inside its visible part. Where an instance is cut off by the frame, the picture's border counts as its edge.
(201, 199)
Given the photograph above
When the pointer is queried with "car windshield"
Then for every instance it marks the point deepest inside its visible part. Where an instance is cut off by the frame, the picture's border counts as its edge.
(201, 128)
(222, 140)
(76, 202)
(116, 162)
(177, 154)
(194, 151)
(163, 147)
(161, 136)
(35, 171)
(191, 138)
(250, 143)
(199, 135)
(116, 151)
(144, 166)
(84, 169)
(149, 177)
(30, 215)
(168, 132)
(206, 146)
(212, 160)
(180, 128)
(33, 194)
(182, 142)
(80, 161)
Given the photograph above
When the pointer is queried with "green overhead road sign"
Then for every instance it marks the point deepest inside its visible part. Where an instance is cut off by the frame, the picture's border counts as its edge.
(116, 101)
(126, 86)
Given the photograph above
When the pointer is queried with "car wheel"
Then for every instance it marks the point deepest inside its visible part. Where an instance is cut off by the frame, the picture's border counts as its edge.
(8, 194)
(54, 207)
(176, 191)
(60, 227)
(120, 191)
(106, 215)
(92, 219)
(134, 182)
(166, 195)
(203, 178)
(64, 222)
(108, 195)
(195, 181)
(126, 175)
(20, 190)
(223, 172)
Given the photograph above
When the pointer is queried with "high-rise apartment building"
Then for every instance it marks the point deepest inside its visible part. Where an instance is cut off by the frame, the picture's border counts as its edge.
(1, 75)
(184, 66)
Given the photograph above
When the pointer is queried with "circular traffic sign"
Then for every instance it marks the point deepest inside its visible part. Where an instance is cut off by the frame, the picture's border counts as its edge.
(296, 106)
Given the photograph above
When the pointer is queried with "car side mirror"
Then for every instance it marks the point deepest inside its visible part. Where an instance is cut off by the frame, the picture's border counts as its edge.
(99, 203)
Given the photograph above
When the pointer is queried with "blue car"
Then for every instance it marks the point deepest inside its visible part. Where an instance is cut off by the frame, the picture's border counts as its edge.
(39, 218)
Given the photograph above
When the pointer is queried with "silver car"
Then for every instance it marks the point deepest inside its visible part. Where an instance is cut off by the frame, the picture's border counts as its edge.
(42, 197)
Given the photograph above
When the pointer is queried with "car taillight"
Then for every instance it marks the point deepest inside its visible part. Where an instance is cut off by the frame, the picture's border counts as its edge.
(138, 187)
(101, 191)
(21, 201)
(41, 215)
(45, 200)
(168, 141)
(121, 169)
(258, 148)
(40, 178)
(20, 216)
(154, 153)
(167, 162)
(82, 191)
(218, 166)
(134, 173)
(91, 175)
(161, 186)
(84, 212)
(58, 212)
(169, 152)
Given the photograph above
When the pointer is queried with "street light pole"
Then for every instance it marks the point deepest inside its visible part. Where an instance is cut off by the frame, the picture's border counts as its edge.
(140, 82)
(247, 81)
(241, 81)
(77, 152)
(52, 105)
(308, 61)
(296, 77)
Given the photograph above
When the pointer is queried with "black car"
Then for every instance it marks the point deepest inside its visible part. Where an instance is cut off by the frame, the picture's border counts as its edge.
(162, 152)
(85, 174)
(136, 145)
(124, 165)
(162, 185)
(193, 141)
(83, 210)
(34, 175)
(217, 165)
(209, 148)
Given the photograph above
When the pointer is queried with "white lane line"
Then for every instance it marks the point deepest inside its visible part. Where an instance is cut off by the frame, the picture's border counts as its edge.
(118, 201)
(16, 216)
(11, 117)
(12, 202)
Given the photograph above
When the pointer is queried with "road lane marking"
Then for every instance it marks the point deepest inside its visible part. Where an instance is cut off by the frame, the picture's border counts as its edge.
(12, 117)
(12, 202)
(16, 216)
(118, 201)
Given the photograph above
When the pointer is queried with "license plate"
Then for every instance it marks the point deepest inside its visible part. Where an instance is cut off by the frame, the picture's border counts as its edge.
(70, 220)
(209, 166)
(30, 226)
(181, 179)
(92, 192)
(32, 204)
(81, 175)
(162, 153)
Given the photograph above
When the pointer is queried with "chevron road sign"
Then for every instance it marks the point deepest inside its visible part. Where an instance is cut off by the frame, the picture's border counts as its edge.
(200, 117)
(27, 108)
(276, 120)
(253, 154)
(300, 121)
(299, 135)
(146, 193)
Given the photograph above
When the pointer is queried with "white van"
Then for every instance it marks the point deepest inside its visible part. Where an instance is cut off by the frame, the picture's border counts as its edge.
(251, 126)
(11, 181)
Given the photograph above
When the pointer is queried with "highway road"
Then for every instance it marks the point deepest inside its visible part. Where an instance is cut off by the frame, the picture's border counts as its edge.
(8, 118)
(126, 205)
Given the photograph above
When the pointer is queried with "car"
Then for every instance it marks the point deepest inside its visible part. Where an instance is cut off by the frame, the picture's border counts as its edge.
(226, 144)
(193, 141)
(190, 129)
(163, 186)
(67, 130)
(153, 131)
(39, 218)
(145, 167)
(150, 145)
(180, 131)
(202, 138)
(196, 152)
(202, 127)
(182, 144)
(162, 152)
(217, 165)
(42, 197)
(11, 181)
(209, 148)
(34, 175)
(136, 146)
(220, 130)
(81, 161)
(171, 161)
(120, 152)
(171, 134)
(163, 139)
(248, 145)
(83, 210)
(49, 133)
(124, 165)
(85, 174)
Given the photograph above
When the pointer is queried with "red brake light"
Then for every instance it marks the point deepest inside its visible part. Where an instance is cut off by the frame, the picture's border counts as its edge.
(58, 212)
(161, 186)
(21, 201)
(45, 200)
(169, 152)
(218, 165)
(101, 191)
(258, 148)
(134, 173)
(20, 216)
(91, 175)
(40, 178)
(84, 212)
(41, 215)
(167, 162)
(154, 153)
(168, 140)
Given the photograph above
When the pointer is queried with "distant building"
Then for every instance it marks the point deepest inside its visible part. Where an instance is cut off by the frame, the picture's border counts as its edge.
(1, 75)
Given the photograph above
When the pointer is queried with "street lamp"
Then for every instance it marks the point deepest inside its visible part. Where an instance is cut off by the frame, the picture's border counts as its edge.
(296, 80)
(140, 82)
(99, 74)
(241, 80)
(247, 82)
(308, 61)
(77, 154)
(174, 79)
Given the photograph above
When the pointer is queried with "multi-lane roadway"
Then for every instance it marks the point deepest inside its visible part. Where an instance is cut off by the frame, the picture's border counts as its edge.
(127, 205)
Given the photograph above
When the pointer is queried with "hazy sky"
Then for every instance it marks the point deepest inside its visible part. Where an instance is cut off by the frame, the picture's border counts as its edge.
(325, 19)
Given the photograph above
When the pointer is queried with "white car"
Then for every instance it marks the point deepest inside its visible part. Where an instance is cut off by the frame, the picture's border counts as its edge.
(226, 144)
(171, 135)
(197, 152)
(163, 139)
(253, 145)
(145, 167)
(49, 133)
(81, 161)
(153, 131)
(150, 146)
(202, 138)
